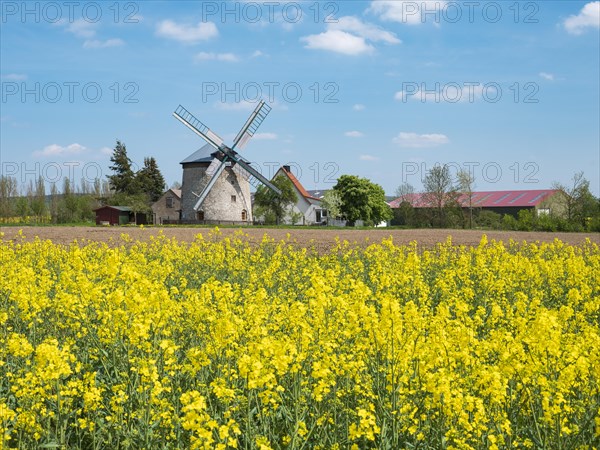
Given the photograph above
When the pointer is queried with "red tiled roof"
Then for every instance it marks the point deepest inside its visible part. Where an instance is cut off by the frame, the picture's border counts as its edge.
(298, 185)
(486, 199)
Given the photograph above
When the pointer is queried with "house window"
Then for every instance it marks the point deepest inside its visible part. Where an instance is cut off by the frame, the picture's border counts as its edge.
(244, 215)
(233, 199)
(321, 215)
(169, 202)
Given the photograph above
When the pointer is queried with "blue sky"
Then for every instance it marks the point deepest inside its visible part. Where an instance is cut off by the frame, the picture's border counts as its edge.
(382, 89)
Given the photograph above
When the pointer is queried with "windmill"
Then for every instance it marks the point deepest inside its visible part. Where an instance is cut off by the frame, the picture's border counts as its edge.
(224, 157)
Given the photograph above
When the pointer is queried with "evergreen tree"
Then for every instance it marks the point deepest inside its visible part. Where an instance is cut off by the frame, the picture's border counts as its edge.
(123, 180)
(150, 181)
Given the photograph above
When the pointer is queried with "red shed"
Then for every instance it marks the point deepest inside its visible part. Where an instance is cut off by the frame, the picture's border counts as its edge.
(113, 215)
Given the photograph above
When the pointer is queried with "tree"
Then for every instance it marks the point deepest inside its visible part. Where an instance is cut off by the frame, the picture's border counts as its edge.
(439, 191)
(576, 200)
(269, 203)
(362, 200)
(405, 192)
(123, 179)
(38, 200)
(332, 202)
(466, 182)
(150, 181)
(8, 191)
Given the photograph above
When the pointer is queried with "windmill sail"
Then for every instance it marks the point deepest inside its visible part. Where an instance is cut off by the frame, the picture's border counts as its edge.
(256, 118)
(208, 181)
(255, 173)
(190, 121)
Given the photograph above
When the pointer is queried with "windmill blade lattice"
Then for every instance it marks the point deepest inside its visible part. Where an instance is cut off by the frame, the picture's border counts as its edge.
(256, 118)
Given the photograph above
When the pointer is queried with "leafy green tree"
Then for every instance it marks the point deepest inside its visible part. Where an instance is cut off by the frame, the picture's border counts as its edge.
(123, 179)
(332, 202)
(269, 203)
(362, 200)
(150, 181)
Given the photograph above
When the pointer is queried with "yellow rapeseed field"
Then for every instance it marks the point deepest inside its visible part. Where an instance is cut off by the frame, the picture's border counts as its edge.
(223, 344)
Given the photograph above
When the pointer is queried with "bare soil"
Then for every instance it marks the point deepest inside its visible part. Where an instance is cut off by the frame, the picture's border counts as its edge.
(321, 239)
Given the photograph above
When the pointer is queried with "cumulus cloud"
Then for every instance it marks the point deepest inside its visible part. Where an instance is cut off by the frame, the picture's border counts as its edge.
(358, 107)
(265, 136)
(188, 34)
(14, 77)
(55, 150)
(353, 134)
(447, 93)
(415, 140)
(349, 36)
(368, 158)
(95, 43)
(588, 17)
(407, 11)
(547, 76)
(82, 28)
(204, 56)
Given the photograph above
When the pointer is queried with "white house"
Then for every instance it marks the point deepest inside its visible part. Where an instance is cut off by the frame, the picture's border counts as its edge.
(308, 208)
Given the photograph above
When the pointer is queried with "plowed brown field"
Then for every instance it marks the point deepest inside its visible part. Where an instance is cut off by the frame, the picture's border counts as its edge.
(321, 239)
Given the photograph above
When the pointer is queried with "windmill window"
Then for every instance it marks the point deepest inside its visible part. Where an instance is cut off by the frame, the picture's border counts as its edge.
(233, 199)
(244, 215)
(169, 202)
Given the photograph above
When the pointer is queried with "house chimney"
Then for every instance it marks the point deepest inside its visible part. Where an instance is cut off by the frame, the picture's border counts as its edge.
(287, 169)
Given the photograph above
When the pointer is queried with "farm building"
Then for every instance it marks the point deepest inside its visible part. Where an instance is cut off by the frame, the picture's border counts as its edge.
(118, 215)
(541, 201)
(167, 208)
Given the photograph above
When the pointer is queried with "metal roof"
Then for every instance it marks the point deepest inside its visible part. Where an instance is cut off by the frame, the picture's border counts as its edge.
(119, 208)
(201, 155)
(486, 199)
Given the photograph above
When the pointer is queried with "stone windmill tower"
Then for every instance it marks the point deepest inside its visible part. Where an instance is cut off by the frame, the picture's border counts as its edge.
(229, 199)
(216, 179)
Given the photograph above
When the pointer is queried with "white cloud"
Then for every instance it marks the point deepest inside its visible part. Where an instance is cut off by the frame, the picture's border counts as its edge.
(187, 34)
(14, 77)
(415, 140)
(368, 158)
(339, 42)
(95, 43)
(349, 36)
(204, 56)
(547, 76)
(82, 28)
(448, 93)
(588, 17)
(60, 151)
(265, 136)
(257, 53)
(368, 31)
(358, 107)
(407, 11)
(353, 134)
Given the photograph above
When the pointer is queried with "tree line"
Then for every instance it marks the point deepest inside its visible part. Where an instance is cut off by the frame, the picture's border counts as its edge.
(75, 203)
